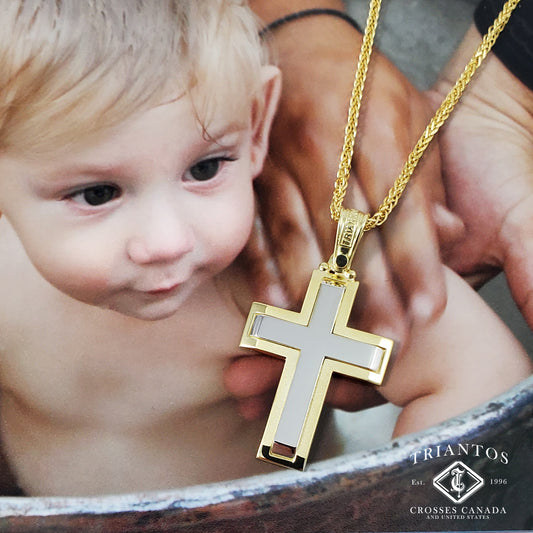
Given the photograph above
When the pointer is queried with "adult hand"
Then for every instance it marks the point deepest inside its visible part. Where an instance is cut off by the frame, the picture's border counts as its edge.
(399, 266)
(487, 156)
(297, 183)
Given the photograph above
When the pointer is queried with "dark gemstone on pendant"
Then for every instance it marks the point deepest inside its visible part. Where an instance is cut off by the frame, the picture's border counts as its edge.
(341, 261)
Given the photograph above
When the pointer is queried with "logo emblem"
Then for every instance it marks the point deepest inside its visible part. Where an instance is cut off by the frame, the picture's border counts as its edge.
(458, 482)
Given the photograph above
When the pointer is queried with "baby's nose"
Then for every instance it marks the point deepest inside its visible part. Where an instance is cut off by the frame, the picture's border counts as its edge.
(162, 236)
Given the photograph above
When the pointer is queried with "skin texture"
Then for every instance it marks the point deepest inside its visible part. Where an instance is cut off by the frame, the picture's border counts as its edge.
(487, 157)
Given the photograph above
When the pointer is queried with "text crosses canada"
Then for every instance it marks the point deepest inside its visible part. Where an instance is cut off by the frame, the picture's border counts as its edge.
(316, 342)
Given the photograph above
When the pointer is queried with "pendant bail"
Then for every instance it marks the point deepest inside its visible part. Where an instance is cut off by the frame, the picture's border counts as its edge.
(350, 230)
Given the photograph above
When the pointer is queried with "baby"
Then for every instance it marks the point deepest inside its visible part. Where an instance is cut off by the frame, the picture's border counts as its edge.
(130, 135)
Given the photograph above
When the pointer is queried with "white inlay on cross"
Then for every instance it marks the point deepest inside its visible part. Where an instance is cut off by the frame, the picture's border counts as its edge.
(316, 342)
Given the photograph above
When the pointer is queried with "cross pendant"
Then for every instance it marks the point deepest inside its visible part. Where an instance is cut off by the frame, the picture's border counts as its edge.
(315, 343)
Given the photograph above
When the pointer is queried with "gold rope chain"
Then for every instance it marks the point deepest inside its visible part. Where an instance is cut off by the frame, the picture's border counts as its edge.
(443, 112)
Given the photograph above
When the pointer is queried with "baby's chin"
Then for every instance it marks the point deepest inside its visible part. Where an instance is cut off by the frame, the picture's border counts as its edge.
(149, 313)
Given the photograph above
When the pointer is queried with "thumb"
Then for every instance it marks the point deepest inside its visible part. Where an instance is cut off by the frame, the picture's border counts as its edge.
(517, 242)
(518, 268)
(450, 227)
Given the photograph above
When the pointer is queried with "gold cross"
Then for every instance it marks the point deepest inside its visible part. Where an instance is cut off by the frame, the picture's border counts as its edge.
(315, 343)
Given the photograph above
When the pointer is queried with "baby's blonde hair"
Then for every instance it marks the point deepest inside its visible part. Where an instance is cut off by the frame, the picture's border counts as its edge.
(70, 68)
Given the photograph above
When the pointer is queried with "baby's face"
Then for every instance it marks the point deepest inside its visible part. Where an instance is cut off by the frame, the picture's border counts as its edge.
(136, 220)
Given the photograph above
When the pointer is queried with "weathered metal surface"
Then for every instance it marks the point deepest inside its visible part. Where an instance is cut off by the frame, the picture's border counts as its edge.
(368, 491)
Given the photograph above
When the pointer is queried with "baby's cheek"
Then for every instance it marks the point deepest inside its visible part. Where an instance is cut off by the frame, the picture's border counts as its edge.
(231, 238)
(76, 275)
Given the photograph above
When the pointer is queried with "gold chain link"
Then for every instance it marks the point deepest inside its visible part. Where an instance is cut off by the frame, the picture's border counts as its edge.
(443, 112)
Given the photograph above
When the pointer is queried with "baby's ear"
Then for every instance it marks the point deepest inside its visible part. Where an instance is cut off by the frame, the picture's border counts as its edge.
(263, 115)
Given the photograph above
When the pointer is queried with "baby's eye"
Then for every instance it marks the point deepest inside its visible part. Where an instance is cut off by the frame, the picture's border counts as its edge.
(96, 195)
(207, 169)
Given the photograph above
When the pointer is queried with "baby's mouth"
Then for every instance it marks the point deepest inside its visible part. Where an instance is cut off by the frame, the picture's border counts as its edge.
(163, 288)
